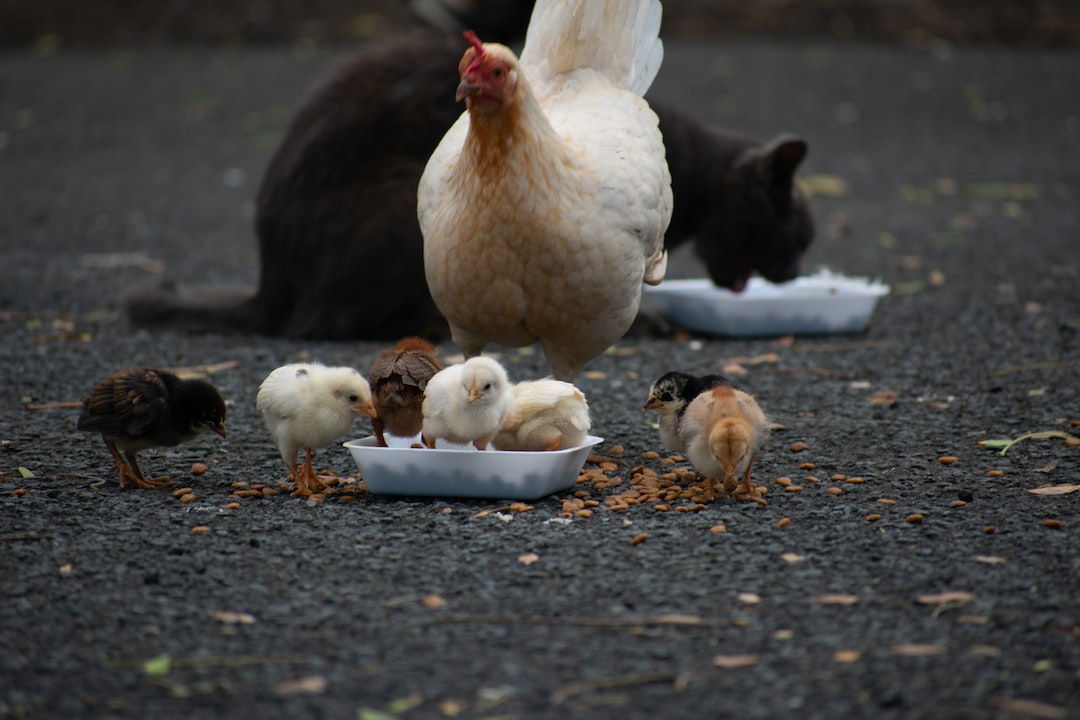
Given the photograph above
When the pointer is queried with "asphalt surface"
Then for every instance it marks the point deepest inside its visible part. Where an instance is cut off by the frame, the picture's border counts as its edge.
(950, 173)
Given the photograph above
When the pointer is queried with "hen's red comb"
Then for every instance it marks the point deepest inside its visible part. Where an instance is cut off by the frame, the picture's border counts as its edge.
(477, 45)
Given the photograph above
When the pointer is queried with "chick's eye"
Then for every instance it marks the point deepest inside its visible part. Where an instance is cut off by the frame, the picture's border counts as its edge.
(353, 398)
(666, 397)
(487, 387)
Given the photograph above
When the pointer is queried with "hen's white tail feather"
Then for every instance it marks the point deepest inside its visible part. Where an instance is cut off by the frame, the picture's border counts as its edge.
(620, 39)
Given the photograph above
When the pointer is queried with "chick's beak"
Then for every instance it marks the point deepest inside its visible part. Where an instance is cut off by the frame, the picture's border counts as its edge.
(365, 408)
(474, 393)
(468, 86)
(219, 429)
(652, 404)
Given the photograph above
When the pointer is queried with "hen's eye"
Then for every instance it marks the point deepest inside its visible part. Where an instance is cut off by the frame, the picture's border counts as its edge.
(497, 72)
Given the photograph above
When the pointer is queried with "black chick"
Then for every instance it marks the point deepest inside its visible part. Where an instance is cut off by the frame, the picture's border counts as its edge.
(139, 408)
(670, 395)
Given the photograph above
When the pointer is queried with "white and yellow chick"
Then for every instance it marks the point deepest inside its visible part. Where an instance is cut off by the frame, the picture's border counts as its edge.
(724, 429)
(466, 403)
(547, 415)
(309, 406)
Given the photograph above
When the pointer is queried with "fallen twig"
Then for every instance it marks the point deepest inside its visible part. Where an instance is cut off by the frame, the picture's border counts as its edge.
(198, 371)
(1051, 365)
(566, 692)
(53, 405)
(667, 619)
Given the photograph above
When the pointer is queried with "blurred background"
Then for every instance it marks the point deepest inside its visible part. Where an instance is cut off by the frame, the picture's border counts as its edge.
(46, 25)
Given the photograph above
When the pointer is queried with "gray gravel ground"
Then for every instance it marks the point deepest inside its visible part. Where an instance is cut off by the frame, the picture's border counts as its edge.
(960, 188)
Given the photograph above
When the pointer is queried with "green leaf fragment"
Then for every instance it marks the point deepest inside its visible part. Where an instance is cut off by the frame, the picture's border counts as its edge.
(158, 666)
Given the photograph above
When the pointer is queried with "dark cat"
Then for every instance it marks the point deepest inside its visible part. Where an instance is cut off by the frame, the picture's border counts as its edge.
(340, 250)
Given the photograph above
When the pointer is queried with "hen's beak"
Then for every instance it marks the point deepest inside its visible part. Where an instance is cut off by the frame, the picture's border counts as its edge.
(474, 394)
(652, 404)
(465, 88)
(219, 429)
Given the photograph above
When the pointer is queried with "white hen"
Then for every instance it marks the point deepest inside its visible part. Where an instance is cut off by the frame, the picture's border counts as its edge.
(547, 415)
(309, 406)
(544, 207)
(466, 403)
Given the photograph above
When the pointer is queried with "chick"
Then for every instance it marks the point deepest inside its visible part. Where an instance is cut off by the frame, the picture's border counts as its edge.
(139, 408)
(308, 405)
(724, 430)
(547, 415)
(398, 377)
(670, 395)
(467, 403)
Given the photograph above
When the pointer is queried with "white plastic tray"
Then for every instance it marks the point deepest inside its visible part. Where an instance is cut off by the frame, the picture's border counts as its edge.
(466, 472)
(822, 304)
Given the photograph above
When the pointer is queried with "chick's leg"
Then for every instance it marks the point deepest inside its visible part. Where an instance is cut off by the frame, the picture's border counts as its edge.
(747, 486)
(132, 472)
(307, 482)
(378, 427)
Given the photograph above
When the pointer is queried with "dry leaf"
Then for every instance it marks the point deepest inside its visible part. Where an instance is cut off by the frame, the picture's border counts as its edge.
(834, 599)
(312, 685)
(918, 649)
(990, 559)
(729, 662)
(953, 596)
(1060, 489)
(528, 558)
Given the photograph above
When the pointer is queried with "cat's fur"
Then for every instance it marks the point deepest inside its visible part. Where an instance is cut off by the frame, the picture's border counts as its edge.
(340, 249)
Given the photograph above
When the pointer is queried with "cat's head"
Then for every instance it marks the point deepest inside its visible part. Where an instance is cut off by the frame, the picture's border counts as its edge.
(767, 225)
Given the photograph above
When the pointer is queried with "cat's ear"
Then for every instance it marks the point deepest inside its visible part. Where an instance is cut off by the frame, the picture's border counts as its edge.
(781, 157)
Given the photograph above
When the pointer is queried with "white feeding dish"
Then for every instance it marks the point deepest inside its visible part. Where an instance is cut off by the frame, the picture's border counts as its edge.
(463, 471)
(822, 304)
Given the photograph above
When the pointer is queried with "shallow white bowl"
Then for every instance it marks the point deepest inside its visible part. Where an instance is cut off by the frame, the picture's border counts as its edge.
(467, 472)
(822, 304)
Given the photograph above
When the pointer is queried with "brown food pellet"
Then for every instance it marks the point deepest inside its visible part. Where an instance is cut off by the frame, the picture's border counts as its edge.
(616, 450)
(834, 491)
(661, 507)
(347, 498)
(994, 473)
(200, 529)
(650, 455)
(783, 481)
(989, 529)
(584, 513)
(232, 506)
(873, 517)
(1052, 523)
(838, 477)
(239, 485)
(190, 497)
(523, 507)
(266, 492)
(793, 488)
(948, 459)
(799, 446)
(854, 480)
(886, 501)
(258, 486)
(783, 522)
(19, 492)
(808, 466)
(682, 508)
(958, 503)
(718, 529)
(639, 538)
(199, 469)
(180, 492)
(810, 478)
(914, 518)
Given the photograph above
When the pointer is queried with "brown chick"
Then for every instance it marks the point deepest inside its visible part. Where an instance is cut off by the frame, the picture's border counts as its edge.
(139, 408)
(724, 429)
(398, 377)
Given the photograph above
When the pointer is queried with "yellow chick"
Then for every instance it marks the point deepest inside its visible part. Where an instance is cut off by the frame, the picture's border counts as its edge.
(309, 406)
(466, 403)
(547, 415)
(724, 430)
